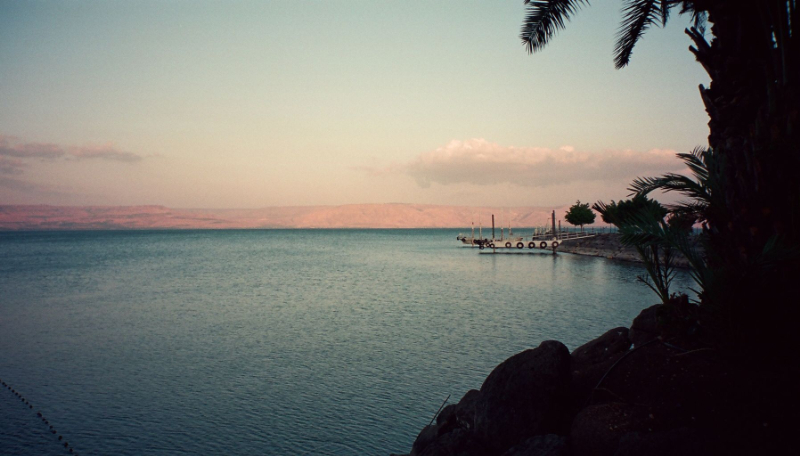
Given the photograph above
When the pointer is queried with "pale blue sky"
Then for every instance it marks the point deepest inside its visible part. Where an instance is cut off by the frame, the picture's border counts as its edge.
(260, 103)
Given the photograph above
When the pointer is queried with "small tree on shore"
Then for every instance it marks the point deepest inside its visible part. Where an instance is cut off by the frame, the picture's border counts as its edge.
(616, 213)
(580, 214)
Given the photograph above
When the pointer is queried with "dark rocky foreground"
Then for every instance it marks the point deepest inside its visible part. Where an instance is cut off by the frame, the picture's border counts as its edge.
(608, 245)
(655, 388)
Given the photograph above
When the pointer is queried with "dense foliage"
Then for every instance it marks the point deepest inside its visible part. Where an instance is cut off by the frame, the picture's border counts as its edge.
(616, 213)
(746, 186)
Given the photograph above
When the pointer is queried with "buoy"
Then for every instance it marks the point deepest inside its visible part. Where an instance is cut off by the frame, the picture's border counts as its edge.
(60, 437)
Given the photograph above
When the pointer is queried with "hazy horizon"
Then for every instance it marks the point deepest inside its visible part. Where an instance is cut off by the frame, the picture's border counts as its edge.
(383, 215)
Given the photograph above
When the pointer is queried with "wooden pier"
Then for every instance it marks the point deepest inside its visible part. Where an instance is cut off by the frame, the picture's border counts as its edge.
(547, 239)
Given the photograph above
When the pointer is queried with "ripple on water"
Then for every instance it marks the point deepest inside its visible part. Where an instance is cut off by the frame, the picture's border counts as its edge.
(330, 342)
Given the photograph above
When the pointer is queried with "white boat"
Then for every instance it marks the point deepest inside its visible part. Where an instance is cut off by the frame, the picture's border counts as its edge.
(472, 239)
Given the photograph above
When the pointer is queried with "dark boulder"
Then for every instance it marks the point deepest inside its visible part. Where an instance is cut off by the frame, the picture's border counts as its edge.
(465, 410)
(541, 445)
(459, 442)
(447, 414)
(446, 420)
(645, 326)
(674, 442)
(597, 429)
(425, 437)
(604, 347)
(524, 396)
(452, 433)
(592, 360)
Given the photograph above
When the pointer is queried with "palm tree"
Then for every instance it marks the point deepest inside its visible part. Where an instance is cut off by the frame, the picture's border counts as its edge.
(752, 215)
(642, 224)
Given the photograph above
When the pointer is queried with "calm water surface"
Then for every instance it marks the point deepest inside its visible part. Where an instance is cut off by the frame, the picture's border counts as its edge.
(329, 342)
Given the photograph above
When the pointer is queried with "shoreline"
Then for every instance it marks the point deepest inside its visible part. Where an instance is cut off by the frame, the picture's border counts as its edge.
(608, 245)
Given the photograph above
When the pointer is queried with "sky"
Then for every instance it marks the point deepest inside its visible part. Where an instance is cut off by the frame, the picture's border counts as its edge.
(247, 104)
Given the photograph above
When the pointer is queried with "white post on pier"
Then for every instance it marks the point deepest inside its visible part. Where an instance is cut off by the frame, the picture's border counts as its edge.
(493, 238)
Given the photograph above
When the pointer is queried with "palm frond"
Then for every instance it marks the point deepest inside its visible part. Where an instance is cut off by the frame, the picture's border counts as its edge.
(698, 17)
(657, 241)
(775, 252)
(697, 161)
(669, 182)
(544, 18)
(638, 16)
(701, 163)
(666, 6)
(695, 209)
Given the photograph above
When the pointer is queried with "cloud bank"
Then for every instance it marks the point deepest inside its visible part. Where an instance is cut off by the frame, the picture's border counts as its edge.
(480, 162)
(11, 165)
(10, 146)
(17, 157)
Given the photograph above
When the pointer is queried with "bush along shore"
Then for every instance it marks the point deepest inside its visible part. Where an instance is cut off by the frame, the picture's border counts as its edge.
(656, 388)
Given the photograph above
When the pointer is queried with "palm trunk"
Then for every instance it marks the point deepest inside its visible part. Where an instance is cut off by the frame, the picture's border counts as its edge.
(753, 105)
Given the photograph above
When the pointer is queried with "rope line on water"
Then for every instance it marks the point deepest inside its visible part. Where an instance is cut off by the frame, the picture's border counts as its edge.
(440, 409)
(39, 414)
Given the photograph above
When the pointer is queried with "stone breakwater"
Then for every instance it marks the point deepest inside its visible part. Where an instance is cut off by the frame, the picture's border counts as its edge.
(655, 388)
(609, 246)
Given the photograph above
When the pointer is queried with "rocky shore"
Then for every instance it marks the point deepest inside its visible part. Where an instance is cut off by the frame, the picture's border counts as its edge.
(608, 245)
(655, 388)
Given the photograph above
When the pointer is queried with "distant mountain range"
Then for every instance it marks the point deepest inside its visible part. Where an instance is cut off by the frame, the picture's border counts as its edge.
(44, 217)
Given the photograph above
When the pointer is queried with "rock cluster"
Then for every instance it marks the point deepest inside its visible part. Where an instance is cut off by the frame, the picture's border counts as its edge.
(632, 391)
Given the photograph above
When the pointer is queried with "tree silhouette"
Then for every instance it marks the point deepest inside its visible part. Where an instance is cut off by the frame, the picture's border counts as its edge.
(617, 213)
(579, 214)
(751, 210)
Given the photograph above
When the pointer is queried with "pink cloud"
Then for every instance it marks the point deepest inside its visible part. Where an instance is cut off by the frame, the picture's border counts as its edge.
(16, 155)
(106, 152)
(17, 184)
(10, 146)
(480, 162)
(11, 165)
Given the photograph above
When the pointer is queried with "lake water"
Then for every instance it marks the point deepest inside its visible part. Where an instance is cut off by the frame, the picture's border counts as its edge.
(276, 342)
